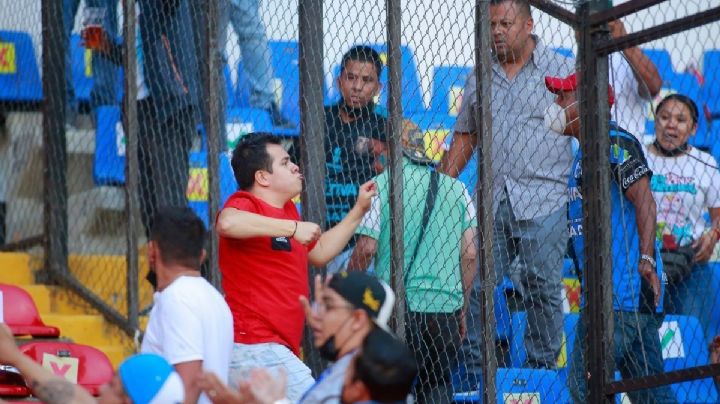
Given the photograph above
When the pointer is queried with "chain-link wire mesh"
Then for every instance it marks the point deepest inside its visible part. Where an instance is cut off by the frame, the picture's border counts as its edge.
(537, 292)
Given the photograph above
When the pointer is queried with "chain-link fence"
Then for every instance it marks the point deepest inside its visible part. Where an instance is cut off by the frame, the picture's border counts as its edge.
(508, 275)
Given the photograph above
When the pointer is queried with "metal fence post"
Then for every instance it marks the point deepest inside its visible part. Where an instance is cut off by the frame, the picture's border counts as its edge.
(55, 194)
(484, 196)
(595, 143)
(393, 132)
(312, 133)
(212, 57)
(130, 127)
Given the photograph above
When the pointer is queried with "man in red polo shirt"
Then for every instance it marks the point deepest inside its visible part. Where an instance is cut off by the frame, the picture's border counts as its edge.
(264, 253)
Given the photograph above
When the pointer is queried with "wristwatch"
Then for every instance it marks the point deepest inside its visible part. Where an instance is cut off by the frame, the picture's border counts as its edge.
(649, 259)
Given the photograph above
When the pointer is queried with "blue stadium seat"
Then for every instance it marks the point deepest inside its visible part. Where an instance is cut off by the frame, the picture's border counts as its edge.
(447, 88)
(661, 59)
(711, 87)
(715, 149)
(520, 386)
(109, 166)
(699, 296)
(286, 80)
(502, 313)
(412, 94)
(81, 66)
(240, 121)
(684, 346)
(518, 355)
(19, 74)
(197, 192)
(232, 101)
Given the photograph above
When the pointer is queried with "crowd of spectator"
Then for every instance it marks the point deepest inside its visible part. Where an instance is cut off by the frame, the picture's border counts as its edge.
(245, 346)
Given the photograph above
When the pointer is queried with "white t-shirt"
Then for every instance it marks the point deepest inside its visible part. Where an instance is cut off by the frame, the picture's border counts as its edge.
(630, 109)
(684, 188)
(191, 321)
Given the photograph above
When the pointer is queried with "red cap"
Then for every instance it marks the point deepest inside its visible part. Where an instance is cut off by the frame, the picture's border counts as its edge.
(569, 83)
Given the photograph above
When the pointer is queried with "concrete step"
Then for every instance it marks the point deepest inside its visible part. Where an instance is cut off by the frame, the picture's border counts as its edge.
(15, 269)
(86, 329)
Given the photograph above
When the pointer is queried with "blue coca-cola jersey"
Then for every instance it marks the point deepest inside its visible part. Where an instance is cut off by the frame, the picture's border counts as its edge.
(628, 165)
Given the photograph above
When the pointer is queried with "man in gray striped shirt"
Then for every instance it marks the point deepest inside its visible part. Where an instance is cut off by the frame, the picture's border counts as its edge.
(530, 167)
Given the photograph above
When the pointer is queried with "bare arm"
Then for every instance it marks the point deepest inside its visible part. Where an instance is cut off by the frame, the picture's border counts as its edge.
(641, 197)
(705, 245)
(461, 150)
(234, 223)
(468, 262)
(46, 386)
(363, 254)
(189, 373)
(332, 242)
(646, 73)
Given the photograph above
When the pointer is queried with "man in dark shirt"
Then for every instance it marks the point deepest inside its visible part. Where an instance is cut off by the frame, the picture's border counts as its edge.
(355, 136)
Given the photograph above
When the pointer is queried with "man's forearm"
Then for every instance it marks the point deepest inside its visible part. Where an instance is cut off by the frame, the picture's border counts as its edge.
(334, 241)
(645, 213)
(647, 228)
(236, 223)
(49, 388)
(645, 72)
(460, 152)
(468, 263)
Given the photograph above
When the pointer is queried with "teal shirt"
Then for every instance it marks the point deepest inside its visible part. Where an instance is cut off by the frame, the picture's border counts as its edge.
(434, 283)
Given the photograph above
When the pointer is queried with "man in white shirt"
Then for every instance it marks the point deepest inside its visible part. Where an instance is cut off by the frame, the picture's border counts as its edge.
(190, 323)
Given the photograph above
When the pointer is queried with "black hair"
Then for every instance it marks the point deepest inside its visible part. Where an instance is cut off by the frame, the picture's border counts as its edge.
(523, 5)
(179, 235)
(250, 155)
(683, 99)
(362, 53)
(386, 367)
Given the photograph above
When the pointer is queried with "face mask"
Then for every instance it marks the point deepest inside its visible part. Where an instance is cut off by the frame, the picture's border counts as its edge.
(555, 119)
(329, 350)
(152, 278)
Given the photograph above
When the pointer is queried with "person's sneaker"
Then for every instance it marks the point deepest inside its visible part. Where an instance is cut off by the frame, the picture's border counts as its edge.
(278, 120)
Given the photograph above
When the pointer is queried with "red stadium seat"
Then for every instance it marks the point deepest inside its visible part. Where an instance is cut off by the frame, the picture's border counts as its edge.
(21, 314)
(12, 383)
(82, 364)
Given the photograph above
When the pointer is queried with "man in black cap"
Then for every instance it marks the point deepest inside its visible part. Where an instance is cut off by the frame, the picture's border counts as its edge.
(347, 308)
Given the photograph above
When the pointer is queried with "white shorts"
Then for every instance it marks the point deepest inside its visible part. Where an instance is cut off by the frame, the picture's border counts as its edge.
(270, 356)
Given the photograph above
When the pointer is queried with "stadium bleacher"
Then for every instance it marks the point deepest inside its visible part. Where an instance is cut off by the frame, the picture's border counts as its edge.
(19, 74)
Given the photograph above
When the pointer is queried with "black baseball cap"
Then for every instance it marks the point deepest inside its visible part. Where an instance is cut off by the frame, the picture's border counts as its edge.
(365, 292)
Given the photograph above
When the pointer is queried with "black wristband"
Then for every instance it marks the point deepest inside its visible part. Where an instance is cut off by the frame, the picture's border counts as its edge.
(294, 231)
